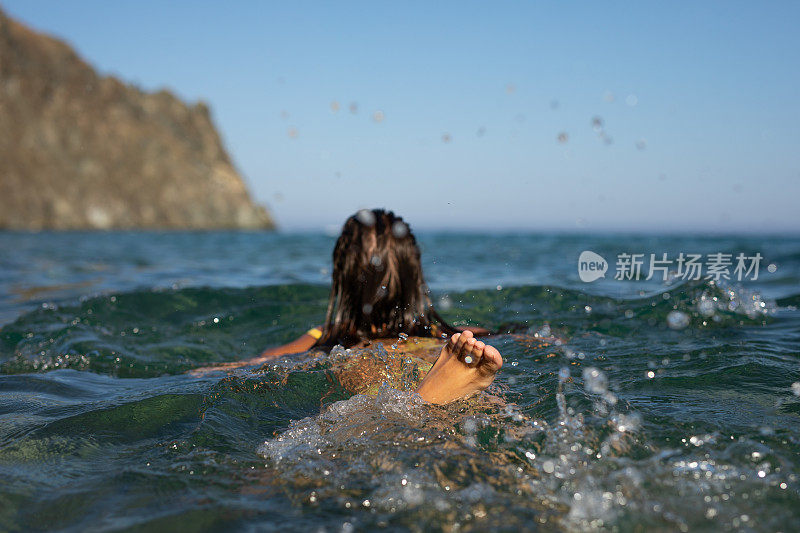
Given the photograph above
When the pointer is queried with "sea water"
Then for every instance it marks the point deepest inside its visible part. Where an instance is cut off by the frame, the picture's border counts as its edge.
(669, 405)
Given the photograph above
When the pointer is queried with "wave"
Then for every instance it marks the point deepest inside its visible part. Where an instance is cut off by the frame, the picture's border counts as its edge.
(148, 333)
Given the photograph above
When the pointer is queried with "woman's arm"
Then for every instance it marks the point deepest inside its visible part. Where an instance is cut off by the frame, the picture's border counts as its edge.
(301, 344)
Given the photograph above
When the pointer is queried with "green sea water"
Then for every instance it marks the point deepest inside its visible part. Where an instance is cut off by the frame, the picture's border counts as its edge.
(622, 404)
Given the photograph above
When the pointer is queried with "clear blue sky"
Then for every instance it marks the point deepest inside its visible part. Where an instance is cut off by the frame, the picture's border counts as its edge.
(708, 91)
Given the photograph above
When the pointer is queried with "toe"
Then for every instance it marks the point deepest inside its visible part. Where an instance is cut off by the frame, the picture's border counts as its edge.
(451, 344)
(459, 345)
(466, 347)
(473, 358)
(492, 358)
(469, 355)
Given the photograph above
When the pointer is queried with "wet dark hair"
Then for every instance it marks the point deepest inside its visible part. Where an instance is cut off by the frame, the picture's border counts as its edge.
(378, 290)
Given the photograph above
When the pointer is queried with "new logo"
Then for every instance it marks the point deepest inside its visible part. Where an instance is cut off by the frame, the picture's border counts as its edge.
(591, 266)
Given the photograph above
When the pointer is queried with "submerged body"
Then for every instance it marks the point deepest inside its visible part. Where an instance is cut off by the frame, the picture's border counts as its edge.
(458, 369)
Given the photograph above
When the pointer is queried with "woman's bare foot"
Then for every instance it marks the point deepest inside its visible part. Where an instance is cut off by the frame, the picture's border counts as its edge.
(464, 367)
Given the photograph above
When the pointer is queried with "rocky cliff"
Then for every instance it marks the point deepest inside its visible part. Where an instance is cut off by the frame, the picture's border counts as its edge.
(83, 151)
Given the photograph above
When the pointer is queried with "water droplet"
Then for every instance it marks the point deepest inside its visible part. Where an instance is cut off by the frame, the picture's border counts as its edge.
(366, 217)
(399, 229)
(706, 307)
(677, 320)
(446, 138)
(632, 100)
(335, 106)
(563, 137)
(594, 380)
(378, 116)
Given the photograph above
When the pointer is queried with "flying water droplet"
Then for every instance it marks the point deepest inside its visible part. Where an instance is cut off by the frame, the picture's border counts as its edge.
(399, 229)
(366, 217)
(594, 380)
(706, 307)
(677, 320)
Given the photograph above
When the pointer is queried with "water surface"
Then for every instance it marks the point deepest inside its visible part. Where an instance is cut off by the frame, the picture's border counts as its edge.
(603, 416)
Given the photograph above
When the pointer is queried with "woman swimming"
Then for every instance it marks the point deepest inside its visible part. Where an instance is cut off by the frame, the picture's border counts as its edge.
(379, 294)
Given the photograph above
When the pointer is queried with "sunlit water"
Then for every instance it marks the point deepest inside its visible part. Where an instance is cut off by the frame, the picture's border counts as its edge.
(669, 406)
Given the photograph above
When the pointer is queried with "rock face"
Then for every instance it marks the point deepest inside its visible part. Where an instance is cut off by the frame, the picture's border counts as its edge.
(82, 151)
